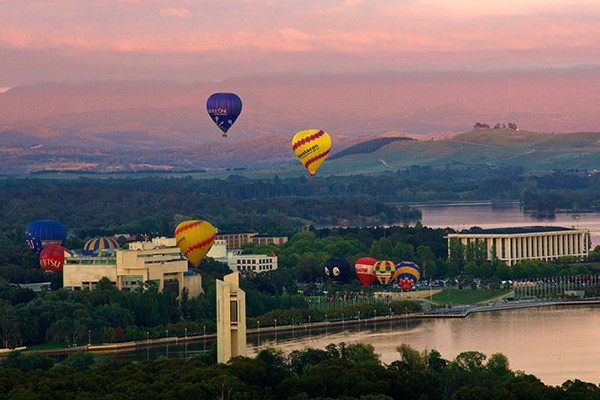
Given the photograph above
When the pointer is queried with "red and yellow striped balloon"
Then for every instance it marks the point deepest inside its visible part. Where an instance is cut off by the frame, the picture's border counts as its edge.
(385, 271)
(195, 238)
(312, 147)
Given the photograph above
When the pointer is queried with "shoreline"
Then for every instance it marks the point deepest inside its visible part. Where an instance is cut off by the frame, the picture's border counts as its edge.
(455, 312)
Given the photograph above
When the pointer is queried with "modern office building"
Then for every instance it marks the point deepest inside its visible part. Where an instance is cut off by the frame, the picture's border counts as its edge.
(511, 245)
(237, 240)
(239, 262)
(158, 261)
(252, 262)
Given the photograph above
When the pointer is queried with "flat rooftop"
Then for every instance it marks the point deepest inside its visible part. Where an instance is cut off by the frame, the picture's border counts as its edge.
(519, 230)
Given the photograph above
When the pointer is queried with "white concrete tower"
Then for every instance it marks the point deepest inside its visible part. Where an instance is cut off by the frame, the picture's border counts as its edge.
(231, 318)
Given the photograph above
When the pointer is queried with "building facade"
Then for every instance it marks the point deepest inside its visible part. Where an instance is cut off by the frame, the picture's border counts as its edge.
(251, 262)
(237, 240)
(158, 261)
(231, 318)
(511, 245)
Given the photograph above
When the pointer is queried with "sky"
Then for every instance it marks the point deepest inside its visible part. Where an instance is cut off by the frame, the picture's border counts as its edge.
(207, 40)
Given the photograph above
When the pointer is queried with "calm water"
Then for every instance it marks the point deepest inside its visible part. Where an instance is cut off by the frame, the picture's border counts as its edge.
(554, 343)
(484, 215)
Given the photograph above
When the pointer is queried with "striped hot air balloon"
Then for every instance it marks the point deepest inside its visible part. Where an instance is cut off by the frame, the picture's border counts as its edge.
(385, 271)
(407, 275)
(195, 238)
(312, 147)
(99, 243)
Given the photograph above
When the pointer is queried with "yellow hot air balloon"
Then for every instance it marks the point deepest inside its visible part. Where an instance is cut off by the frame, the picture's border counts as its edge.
(311, 146)
(195, 238)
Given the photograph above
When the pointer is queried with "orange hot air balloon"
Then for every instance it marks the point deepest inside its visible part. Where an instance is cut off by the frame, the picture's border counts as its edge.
(312, 147)
(195, 238)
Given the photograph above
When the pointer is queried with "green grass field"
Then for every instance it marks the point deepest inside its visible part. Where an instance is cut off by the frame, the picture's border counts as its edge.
(466, 296)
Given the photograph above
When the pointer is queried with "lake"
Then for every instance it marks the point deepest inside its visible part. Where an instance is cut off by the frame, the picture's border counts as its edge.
(490, 215)
(554, 343)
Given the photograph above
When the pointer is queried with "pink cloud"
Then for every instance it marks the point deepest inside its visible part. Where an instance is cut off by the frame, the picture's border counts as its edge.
(175, 12)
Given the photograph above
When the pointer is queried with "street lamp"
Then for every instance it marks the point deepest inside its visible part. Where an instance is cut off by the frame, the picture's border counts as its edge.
(147, 336)
(89, 337)
(185, 330)
(258, 325)
(167, 331)
(275, 323)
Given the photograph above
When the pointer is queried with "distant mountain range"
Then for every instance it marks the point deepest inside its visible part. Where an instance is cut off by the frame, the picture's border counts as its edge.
(159, 115)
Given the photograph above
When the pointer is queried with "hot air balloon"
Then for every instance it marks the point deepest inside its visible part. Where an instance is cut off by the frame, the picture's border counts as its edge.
(364, 270)
(99, 243)
(312, 147)
(338, 269)
(385, 271)
(52, 258)
(195, 238)
(224, 108)
(44, 232)
(407, 274)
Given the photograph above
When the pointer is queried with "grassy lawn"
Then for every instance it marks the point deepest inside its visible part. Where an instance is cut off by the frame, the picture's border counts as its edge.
(466, 296)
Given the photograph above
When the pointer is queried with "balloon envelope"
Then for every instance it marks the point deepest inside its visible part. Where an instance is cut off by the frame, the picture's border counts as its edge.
(195, 238)
(385, 271)
(99, 243)
(311, 147)
(52, 258)
(407, 274)
(44, 232)
(337, 269)
(224, 108)
(364, 269)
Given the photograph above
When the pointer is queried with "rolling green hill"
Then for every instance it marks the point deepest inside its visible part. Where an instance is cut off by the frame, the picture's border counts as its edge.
(531, 150)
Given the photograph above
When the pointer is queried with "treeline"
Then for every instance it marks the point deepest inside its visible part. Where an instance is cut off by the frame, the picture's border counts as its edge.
(341, 371)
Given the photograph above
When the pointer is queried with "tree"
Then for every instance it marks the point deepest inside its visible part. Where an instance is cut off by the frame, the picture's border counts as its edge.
(10, 330)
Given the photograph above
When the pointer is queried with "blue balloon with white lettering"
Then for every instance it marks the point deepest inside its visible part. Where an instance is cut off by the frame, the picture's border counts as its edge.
(44, 232)
(224, 109)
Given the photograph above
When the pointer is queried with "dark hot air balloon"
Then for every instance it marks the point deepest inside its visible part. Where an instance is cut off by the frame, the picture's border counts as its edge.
(44, 232)
(224, 108)
(337, 269)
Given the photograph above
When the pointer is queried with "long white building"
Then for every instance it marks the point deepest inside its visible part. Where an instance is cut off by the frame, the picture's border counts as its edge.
(511, 245)
(158, 261)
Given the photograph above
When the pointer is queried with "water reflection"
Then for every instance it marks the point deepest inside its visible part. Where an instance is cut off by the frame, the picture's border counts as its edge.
(553, 343)
(488, 215)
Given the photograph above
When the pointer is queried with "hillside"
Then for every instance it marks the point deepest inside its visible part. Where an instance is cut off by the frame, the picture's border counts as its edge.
(531, 150)
(272, 155)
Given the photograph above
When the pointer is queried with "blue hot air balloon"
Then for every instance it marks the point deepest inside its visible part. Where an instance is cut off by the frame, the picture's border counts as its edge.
(224, 108)
(44, 232)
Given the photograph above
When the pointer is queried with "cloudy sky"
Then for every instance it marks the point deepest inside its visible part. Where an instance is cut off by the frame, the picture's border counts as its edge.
(197, 40)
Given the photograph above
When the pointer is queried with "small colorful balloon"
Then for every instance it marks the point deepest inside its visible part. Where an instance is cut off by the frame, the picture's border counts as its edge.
(312, 147)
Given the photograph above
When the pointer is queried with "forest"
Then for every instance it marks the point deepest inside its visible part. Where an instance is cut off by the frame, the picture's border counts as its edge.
(339, 371)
